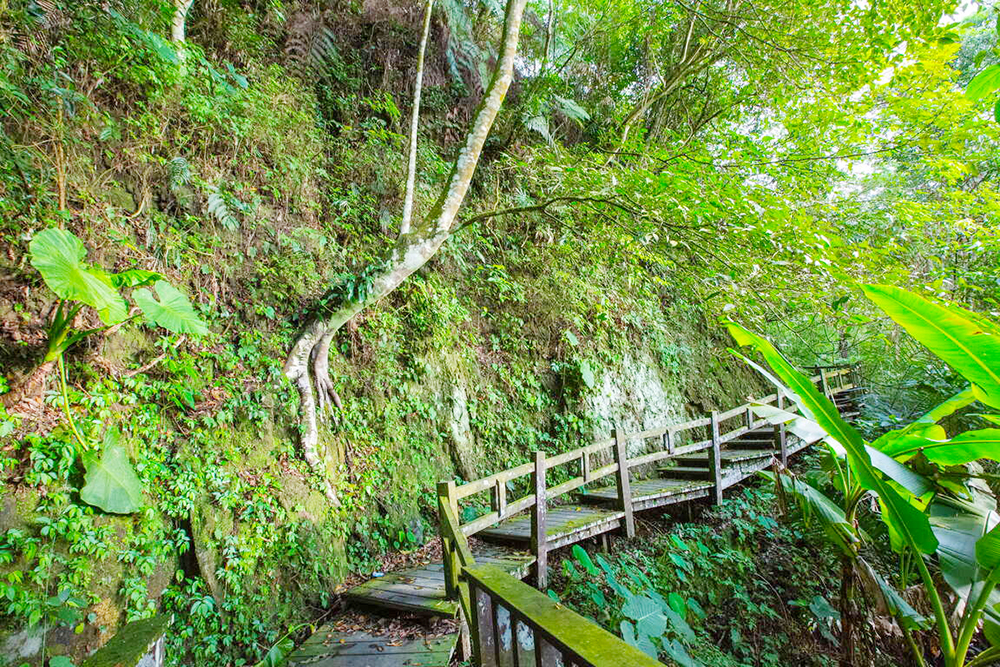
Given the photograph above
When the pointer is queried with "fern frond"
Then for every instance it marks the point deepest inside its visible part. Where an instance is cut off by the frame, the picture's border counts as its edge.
(219, 209)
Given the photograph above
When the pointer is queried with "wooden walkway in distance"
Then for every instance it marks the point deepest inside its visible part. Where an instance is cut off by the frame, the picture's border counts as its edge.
(598, 489)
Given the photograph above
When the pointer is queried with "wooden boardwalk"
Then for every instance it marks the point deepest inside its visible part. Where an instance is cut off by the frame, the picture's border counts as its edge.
(599, 489)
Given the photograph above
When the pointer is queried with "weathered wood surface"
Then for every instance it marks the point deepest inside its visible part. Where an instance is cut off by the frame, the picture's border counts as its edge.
(564, 525)
(516, 625)
(647, 489)
(328, 647)
(422, 590)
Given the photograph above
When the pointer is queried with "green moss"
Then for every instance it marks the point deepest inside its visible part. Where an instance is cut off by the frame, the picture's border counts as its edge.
(130, 644)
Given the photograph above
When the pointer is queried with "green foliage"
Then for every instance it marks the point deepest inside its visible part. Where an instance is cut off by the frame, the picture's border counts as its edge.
(111, 483)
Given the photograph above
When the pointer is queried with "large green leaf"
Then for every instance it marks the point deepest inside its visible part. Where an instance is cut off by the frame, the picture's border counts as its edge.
(134, 278)
(901, 515)
(647, 614)
(961, 341)
(172, 311)
(959, 525)
(111, 483)
(984, 83)
(814, 503)
(962, 449)
(59, 257)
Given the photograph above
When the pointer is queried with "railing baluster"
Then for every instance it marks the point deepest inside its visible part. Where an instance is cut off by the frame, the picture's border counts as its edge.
(781, 431)
(715, 459)
(498, 499)
(539, 540)
(622, 476)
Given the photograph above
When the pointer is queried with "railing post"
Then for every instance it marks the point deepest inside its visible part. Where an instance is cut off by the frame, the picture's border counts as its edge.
(539, 542)
(715, 459)
(446, 498)
(668, 440)
(781, 431)
(498, 498)
(624, 488)
(749, 418)
(824, 383)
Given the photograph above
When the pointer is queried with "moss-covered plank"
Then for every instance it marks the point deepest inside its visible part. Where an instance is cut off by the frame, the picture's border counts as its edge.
(556, 624)
(563, 522)
(330, 648)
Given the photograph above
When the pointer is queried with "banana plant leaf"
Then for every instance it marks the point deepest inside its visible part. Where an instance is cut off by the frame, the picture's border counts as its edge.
(902, 517)
(966, 342)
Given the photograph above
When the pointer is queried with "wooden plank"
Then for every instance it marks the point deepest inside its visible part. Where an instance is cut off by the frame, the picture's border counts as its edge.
(714, 460)
(646, 489)
(406, 602)
(538, 526)
(563, 522)
(484, 641)
(329, 647)
(487, 520)
(567, 457)
(484, 483)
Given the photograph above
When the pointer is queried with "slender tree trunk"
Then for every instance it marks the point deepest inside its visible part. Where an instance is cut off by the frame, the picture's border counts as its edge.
(411, 251)
(411, 168)
(178, 26)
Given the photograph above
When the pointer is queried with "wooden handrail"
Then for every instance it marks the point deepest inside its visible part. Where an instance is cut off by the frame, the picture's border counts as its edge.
(503, 507)
(508, 612)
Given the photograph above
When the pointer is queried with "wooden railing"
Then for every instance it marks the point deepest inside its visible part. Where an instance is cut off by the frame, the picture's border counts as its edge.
(516, 625)
(487, 594)
(609, 458)
(511, 623)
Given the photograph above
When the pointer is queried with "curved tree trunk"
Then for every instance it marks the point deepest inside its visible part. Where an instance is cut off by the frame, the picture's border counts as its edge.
(411, 251)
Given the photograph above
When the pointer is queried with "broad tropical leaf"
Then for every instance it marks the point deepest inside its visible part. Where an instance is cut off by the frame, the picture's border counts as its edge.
(888, 599)
(814, 503)
(908, 521)
(173, 311)
(962, 342)
(962, 449)
(984, 83)
(111, 483)
(647, 614)
(959, 525)
(59, 257)
(134, 278)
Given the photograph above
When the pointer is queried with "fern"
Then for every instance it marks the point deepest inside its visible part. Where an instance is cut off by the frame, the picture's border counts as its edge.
(219, 209)
(180, 173)
(571, 109)
(311, 47)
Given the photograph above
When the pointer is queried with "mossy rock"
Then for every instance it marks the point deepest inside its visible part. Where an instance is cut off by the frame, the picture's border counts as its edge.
(131, 644)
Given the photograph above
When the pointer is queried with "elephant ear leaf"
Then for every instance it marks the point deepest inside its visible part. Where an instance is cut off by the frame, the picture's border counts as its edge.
(172, 310)
(963, 340)
(111, 482)
(59, 257)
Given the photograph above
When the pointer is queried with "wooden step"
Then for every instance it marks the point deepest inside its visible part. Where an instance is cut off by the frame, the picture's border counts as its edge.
(328, 647)
(685, 472)
(564, 524)
(756, 443)
(649, 493)
(729, 457)
(421, 590)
